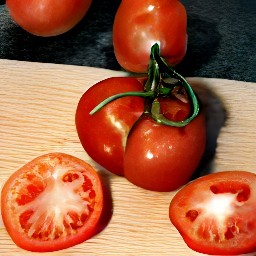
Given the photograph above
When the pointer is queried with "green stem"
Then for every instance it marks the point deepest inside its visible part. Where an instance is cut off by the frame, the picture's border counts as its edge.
(153, 89)
(121, 95)
(149, 94)
(155, 110)
(153, 81)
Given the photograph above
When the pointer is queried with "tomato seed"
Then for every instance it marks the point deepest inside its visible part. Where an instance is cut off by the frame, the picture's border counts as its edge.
(229, 233)
(84, 217)
(87, 185)
(92, 194)
(242, 191)
(69, 177)
(24, 217)
(192, 215)
(243, 195)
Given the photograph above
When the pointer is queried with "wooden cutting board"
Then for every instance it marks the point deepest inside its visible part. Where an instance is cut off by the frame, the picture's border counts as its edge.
(38, 103)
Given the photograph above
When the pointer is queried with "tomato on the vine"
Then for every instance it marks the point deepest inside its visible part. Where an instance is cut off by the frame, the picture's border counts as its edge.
(138, 135)
(104, 134)
(47, 17)
(163, 158)
(138, 25)
(215, 214)
(51, 203)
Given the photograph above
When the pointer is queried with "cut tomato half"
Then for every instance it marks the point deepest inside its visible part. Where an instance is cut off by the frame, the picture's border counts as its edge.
(53, 202)
(215, 214)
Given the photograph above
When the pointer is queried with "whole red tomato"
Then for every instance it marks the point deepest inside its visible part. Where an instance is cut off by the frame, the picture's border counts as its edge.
(162, 158)
(47, 17)
(104, 134)
(124, 139)
(53, 202)
(215, 214)
(138, 25)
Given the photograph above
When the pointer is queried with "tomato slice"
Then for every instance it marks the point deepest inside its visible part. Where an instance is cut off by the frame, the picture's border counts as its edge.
(215, 214)
(51, 203)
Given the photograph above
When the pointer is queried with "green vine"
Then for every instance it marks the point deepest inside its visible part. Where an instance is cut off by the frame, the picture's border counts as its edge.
(158, 69)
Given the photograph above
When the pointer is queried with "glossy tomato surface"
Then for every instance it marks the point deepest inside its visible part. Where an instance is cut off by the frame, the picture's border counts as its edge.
(129, 143)
(138, 25)
(52, 203)
(47, 17)
(166, 156)
(104, 134)
(215, 214)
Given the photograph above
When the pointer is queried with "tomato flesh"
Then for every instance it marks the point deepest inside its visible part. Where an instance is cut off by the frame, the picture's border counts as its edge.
(52, 203)
(215, 213)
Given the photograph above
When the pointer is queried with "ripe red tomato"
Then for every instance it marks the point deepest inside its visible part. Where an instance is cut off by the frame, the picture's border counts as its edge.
(52, 203)
(127, 142)
(166, 156)
(104, 134)
(138, 25)
(215, 214)
(47, 17)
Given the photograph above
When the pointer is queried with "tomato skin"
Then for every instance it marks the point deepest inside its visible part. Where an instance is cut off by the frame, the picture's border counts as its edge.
(103, 134)
(168, 156)
(47, 17)
(140, 24)
(54, 188)
(215, 214)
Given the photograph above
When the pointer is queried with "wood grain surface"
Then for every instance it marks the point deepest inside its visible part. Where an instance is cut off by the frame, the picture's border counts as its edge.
(38, 103)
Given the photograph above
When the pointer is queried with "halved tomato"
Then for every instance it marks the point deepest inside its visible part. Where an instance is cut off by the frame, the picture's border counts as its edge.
(53, 202)
(215, 214)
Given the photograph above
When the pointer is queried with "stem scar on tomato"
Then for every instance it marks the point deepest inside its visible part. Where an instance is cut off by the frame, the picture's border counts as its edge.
(155, 86)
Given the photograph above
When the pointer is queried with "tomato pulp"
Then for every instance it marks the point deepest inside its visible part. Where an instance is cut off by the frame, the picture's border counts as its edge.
(138, 25)
(51, 203)
(215, 214)
(47, 17)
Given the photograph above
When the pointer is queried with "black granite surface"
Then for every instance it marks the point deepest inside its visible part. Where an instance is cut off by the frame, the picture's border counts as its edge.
(222, 39)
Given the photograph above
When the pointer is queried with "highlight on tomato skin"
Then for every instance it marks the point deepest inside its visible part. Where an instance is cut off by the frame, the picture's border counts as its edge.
(215, 214)
(52, 203)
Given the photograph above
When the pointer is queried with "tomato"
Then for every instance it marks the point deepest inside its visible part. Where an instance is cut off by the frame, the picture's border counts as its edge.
(47, 17)
(215, 214)
(51, 203)
(138, 25)
(103, 134)
(166, 156)
(128, 142)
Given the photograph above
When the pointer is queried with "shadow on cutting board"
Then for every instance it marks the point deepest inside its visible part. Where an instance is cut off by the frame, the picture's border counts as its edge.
(216, 116)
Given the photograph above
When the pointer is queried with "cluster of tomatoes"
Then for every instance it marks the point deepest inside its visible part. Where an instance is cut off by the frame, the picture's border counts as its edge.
(149, 128)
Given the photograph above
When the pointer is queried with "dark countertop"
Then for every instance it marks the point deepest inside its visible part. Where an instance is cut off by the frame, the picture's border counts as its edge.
(221, 43)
